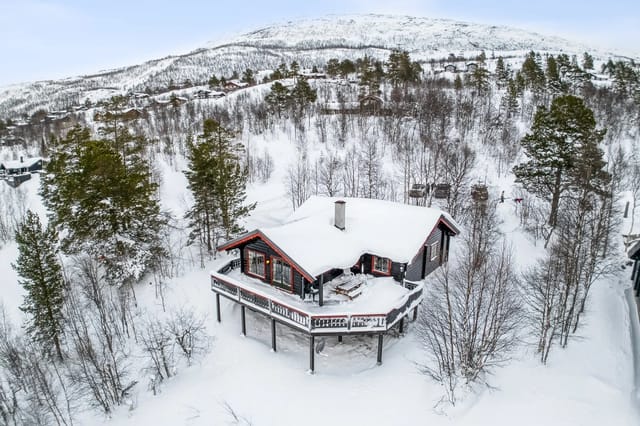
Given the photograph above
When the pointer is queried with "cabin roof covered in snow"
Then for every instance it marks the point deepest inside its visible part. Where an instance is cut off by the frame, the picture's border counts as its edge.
(17, 164)
(634, 250)
(383, 228)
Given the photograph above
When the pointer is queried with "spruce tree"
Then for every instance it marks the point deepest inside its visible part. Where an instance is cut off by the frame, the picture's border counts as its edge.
(217, 179)
(41, 277)
(563, 153)
(502, 73)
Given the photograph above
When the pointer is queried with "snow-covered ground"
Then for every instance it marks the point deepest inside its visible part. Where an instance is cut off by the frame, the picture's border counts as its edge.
(592, 382)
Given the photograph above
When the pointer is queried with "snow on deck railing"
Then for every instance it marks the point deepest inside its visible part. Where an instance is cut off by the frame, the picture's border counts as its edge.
(312, 323)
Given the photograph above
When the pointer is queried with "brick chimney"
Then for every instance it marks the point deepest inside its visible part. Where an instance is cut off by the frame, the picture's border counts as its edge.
(21, 159)
(339, 216)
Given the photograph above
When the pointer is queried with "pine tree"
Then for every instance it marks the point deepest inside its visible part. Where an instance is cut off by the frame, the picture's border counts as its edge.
(214, 82)
(333, 67)
(217, 180)
(106, 203)
(532, 73)
(248, 77)
(563, 153)
(41, 277)
(278, 98)
(554, 84)
(302, 96)
(587, 61)
(479, 80)
(400, 69)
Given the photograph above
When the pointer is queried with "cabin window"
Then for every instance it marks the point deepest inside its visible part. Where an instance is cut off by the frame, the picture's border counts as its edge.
(434, 251)
(256, 263)
(381, 265)
(281, 273)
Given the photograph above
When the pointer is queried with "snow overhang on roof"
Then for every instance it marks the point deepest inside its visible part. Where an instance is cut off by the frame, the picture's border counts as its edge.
(17, 164)
(383, 228)
(634, 250)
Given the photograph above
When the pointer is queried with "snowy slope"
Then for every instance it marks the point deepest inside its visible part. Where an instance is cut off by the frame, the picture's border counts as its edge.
(310, 42)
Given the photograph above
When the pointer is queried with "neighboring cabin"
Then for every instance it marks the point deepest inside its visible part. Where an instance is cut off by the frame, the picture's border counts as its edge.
(24, 165)
(232, 85)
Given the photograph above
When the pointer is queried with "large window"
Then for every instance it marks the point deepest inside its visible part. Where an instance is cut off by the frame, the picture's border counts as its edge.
(256, 263)
(281, 273)
(381, 265)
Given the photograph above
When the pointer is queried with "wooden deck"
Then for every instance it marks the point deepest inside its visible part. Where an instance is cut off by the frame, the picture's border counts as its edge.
(314, 323)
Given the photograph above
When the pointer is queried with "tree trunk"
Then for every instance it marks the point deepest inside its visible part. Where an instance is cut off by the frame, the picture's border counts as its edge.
(555, 201)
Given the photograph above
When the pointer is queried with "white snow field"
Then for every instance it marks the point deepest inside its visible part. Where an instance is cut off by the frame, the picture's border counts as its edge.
(592, 382)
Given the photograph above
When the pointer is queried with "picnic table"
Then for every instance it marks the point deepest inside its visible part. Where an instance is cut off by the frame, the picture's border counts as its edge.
(350, 286)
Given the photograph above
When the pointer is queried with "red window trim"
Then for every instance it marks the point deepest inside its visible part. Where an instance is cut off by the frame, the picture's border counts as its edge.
(280, 286)
(248, 268)
(373, 265)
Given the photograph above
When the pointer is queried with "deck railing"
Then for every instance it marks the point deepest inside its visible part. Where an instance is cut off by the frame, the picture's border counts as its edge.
(312, 323)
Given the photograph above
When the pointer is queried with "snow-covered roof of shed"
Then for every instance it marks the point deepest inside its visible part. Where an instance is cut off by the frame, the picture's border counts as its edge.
(383, 228)
(17, 164)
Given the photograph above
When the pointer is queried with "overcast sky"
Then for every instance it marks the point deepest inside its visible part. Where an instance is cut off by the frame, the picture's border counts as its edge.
(41, 39)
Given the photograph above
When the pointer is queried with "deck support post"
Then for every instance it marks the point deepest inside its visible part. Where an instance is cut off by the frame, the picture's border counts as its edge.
(244, 319)
(415, 313)
(340, 338)
(311, 354)
(218, 307)
(401, 326)
(380, 336)
(273, 335)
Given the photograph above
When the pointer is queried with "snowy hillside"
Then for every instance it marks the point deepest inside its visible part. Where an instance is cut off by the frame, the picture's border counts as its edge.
(310, 42)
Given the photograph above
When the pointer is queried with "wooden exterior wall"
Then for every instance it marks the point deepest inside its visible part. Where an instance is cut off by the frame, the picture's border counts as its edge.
(422, 264)
(261, 247)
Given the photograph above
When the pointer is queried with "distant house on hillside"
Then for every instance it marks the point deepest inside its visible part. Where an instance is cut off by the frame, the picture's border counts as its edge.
(450, 68)
(371, 103)
(24, 165)
(232, 85)
(337, 266)
(472, 67)
(206, 94)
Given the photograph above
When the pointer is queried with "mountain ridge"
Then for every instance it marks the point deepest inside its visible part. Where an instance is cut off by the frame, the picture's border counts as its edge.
(309, 41)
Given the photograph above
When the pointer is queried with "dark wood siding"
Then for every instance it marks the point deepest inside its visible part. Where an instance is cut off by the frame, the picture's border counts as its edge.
(432, 265)
(422, 264)
(260, 246)
(414, 269)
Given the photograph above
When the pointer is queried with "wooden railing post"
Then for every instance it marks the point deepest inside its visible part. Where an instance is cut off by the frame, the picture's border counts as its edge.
(218, 306)
(380, 348)
(273, 334)
(244, 320)
(311, 354)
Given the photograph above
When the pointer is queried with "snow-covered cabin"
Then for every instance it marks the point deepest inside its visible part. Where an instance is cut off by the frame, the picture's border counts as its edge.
(472, 67)
(450, 68)
(326, 236)
(362, 258)
(23, 165)
(232, 85)
(371, 103)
